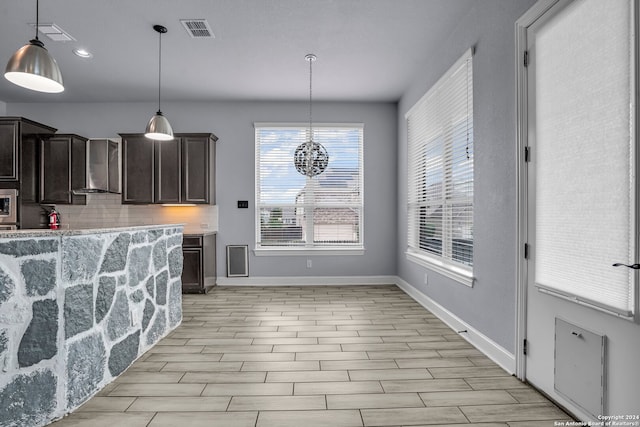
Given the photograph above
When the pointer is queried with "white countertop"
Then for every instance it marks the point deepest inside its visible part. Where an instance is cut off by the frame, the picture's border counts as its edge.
(198, 231)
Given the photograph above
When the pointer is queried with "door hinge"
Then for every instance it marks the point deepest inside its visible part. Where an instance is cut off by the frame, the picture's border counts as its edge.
(526, 251)
(526, 58)
(527, 154)
(524, 347)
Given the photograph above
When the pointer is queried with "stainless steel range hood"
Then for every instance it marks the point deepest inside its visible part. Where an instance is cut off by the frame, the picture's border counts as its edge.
(103, 167)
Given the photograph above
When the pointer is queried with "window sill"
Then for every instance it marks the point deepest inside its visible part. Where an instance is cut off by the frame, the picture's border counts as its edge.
(458, 274)
(307, 251)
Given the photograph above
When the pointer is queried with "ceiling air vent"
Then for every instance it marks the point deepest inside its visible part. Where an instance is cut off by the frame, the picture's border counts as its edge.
(197, 28)
(54, 32)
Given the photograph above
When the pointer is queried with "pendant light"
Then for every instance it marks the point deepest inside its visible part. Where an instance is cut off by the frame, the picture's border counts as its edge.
(310, 158)
(159, 127)
(33, 68)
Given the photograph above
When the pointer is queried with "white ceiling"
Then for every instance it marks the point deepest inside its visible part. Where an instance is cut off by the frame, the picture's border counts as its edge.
(368, 50)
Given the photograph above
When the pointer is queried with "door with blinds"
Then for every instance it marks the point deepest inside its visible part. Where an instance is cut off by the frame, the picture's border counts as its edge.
(582, 216)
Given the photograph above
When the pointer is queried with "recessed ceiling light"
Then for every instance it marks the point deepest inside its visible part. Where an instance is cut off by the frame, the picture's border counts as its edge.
(82, 53)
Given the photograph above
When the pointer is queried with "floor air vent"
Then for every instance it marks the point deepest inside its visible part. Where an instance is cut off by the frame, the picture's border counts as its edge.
(197, 28)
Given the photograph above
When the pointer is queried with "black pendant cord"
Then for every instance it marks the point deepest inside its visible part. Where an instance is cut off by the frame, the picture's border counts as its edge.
(159, 68)
(161, 30)
(36, 41)
(37, 17)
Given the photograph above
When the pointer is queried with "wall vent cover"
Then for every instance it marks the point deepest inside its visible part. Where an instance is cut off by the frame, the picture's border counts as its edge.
(197, 28)
(237, 261)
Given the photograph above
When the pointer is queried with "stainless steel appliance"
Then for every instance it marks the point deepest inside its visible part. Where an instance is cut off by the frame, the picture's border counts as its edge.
(8, 209)
(103, 167)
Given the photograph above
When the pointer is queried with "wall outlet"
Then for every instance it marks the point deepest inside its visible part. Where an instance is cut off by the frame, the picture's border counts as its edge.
(426, 279)
(243, 204)
(309, 263)
(204, 225)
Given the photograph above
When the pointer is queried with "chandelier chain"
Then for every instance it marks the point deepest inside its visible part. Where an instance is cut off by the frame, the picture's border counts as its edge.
(311, 59)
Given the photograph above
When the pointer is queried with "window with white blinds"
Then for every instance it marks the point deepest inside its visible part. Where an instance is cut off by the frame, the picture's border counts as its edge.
(295, 211)
(440, 173)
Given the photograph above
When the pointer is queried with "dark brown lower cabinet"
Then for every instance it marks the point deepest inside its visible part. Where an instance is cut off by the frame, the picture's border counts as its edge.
(199, 263)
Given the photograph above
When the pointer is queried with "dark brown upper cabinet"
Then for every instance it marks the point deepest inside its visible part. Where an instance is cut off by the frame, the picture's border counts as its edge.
(9, 137)
(137, 169)
(168, 171)
(63, 167)
(198, 168)
(19, 147)
(180, 171)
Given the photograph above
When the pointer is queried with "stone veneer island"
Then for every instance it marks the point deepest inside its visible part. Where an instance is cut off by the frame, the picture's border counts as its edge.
(77, 308)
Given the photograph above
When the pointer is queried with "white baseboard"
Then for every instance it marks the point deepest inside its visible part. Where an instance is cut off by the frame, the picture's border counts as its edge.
(307, 281)
(483, 343)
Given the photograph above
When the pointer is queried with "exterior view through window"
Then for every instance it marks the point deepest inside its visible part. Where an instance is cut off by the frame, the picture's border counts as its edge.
(295, 211)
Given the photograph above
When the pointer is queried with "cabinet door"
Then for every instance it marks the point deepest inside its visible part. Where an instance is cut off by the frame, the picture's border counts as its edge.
(209, 260)
(137, 169)
(55, 170)
(195, 166)
(9, 132)
(63, 169)
(168, 171)
(29, 169)
(192, 280)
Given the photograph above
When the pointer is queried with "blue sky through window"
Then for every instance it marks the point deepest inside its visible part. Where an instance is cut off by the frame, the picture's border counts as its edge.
(280, 183)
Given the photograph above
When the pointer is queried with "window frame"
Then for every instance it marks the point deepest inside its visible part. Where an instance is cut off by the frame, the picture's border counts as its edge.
(444, 264)
(309, 248)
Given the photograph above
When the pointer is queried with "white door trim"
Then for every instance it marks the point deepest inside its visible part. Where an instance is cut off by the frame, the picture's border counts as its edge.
(526, 20)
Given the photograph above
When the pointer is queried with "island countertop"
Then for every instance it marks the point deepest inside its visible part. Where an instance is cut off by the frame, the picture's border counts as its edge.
(45, 232)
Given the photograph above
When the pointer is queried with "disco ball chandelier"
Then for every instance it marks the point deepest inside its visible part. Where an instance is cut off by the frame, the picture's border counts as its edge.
(310, 158)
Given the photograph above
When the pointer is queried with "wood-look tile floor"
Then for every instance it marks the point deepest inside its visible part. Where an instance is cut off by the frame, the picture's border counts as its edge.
(313, 356)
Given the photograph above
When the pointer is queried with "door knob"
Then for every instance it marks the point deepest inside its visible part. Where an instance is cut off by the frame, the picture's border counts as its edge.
(634, 266)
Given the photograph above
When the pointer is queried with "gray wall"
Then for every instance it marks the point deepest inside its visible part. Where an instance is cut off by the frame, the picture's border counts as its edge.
(233, 122)
(490, 305)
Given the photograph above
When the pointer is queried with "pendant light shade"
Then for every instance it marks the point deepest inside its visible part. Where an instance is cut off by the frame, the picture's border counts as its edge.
(159, 127)
(33, 68)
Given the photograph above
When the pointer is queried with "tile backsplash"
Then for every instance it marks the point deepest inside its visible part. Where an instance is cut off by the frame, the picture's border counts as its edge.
(106, 210)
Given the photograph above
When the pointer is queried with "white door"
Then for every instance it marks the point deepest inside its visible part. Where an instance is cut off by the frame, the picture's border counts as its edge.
(582, 332)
